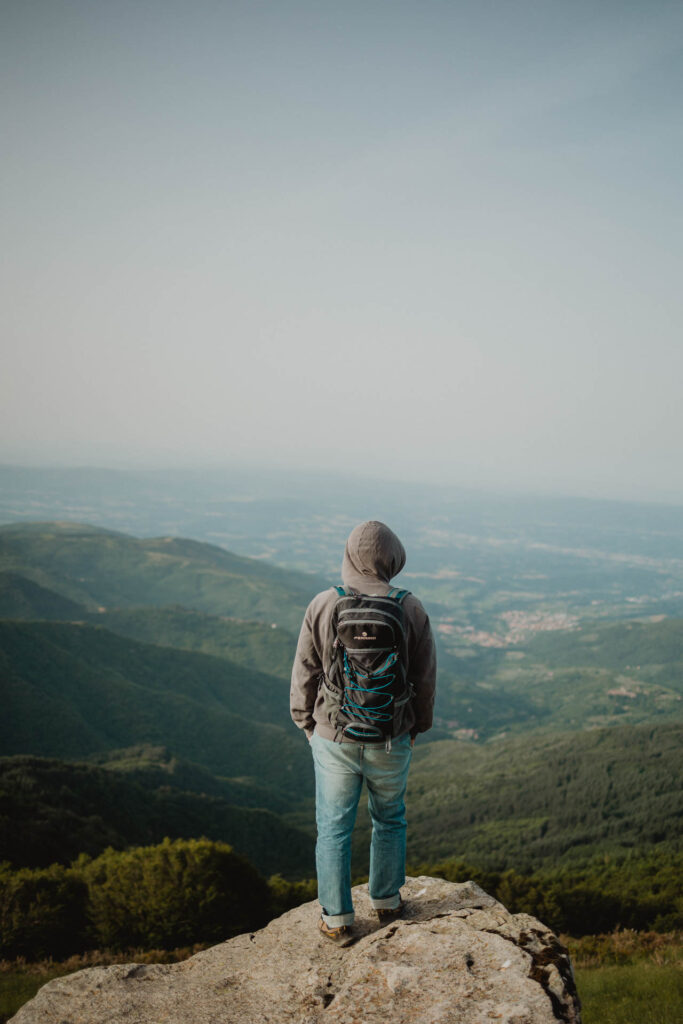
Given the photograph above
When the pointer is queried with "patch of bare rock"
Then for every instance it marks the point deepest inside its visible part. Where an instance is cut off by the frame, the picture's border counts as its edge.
(457, 957)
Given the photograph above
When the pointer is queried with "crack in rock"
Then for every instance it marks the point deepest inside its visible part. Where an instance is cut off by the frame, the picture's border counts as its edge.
(553, 955)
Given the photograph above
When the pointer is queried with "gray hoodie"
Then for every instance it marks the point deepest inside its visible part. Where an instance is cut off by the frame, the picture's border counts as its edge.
(373, 555)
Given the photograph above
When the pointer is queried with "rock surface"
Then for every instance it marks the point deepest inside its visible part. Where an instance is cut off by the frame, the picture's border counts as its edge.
(457, 957)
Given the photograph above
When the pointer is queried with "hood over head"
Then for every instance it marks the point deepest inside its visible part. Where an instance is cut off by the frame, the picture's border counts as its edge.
(373, 555)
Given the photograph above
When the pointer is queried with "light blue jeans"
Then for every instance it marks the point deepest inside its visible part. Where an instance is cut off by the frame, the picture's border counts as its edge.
(339, 772)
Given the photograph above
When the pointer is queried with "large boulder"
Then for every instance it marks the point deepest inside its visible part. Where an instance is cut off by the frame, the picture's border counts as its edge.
(457, 957)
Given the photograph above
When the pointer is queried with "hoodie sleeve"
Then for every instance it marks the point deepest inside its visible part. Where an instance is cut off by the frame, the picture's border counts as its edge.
(422, 674)
(306, 672)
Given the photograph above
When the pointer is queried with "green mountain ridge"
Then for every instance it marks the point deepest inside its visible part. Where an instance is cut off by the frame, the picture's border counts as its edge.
(158, 768)
(101, 568)
(563, 679)
(253, 644)
(22, 598)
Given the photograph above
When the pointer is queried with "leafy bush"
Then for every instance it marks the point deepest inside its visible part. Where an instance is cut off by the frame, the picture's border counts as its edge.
(173, 894)
(286, 895)
(626, 946)
(42, 913)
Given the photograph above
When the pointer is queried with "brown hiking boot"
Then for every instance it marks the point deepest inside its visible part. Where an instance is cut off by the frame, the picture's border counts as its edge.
(341, 936)
(385, 916)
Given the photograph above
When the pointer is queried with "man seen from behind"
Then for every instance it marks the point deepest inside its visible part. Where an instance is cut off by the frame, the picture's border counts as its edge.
(363, 685)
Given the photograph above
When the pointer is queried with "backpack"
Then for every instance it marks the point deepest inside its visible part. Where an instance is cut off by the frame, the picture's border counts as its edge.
(366, 688)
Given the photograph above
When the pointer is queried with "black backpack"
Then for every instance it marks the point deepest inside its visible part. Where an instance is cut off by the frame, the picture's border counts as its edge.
(366, 688)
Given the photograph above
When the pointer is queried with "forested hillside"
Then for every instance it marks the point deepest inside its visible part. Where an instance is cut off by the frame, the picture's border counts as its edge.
(254, 644)
(74, 690)
(547, 798)
(22, 598)
(52, 811)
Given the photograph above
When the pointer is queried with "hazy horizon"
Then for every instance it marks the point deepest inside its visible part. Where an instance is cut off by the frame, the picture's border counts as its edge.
(422, 241)
(257, 475)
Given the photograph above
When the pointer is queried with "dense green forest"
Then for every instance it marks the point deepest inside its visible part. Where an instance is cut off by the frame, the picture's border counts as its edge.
(51, 811)
(158, 768)
(634, 889)
(22, 598)
(525, 803)
(547, 797)
(253, 644)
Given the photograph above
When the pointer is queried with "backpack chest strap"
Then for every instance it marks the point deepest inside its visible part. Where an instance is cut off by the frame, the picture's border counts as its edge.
(395, 592)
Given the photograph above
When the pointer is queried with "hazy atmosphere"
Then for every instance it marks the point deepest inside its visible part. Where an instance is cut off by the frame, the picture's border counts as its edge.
(235, 232)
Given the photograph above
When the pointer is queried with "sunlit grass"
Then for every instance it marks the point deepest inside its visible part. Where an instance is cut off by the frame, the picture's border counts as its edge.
(642, 993)
(18, 987)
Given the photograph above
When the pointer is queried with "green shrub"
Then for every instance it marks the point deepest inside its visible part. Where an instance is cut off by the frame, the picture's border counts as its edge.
(177, 893)
(287, 895)
(42, 912)
(640, 891)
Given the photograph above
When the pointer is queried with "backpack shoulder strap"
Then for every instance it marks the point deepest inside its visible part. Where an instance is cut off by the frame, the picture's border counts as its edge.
(341, 591)
(398, 594)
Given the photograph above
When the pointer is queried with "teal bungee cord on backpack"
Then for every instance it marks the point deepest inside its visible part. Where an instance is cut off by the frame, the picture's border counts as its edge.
(366, 689)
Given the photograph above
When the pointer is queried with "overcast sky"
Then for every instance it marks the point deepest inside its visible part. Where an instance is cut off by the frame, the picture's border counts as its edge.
(433, 238)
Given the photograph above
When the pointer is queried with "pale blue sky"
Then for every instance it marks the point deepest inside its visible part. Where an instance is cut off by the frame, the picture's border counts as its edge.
(433, 238)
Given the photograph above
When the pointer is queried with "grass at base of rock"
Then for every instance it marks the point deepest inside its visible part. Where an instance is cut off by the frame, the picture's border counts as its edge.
(642, 993)
(629, 977)
(17, 988)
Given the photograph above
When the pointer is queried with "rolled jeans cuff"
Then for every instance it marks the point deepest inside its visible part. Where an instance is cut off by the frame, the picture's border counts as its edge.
(337, 920)
(388, 903)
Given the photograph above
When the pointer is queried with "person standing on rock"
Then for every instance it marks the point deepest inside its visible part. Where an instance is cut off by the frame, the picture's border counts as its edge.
(363, 684)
